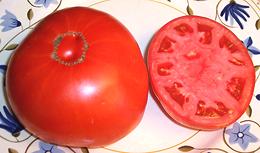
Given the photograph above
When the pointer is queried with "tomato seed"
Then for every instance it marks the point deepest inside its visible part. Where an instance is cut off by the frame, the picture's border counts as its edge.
(192, 55)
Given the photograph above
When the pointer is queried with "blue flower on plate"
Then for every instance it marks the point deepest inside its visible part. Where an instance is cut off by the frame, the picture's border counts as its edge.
(235, 11)
(10, 21)
(240, 134)
(46, 147)
(45, 3)
(3, 68)
(248, 42)
(258, 97)
(10, 123)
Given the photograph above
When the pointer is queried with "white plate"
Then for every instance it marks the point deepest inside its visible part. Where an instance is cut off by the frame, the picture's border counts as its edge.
(156, 132)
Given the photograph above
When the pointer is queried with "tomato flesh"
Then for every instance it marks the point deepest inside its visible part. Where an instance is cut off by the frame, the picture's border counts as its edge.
(200, 72)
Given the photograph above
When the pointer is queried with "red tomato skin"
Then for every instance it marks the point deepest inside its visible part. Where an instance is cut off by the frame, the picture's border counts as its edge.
(177, 115)
(89, 104)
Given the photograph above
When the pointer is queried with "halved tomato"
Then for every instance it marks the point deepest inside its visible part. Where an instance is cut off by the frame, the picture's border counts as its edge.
(200, 72)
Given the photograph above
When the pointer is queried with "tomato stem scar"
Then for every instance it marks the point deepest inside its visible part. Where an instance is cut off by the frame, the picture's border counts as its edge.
(68, 59)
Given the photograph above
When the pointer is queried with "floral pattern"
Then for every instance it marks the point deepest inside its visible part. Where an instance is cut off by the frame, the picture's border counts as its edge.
(3, 68)
(45, 3)
(233, 10)
(240, 134)
(10, 123)
(46, 147)
(258, 97)
(248, 42)
(228, 12)
(10, 21)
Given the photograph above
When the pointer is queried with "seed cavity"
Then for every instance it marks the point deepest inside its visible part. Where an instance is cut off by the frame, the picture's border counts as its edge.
(211, 112)
(175, 92)
(235, 87)
(225, 42)
(183, 29)
(167, 45)
(164, 69)
(236, 61)
(205, 33)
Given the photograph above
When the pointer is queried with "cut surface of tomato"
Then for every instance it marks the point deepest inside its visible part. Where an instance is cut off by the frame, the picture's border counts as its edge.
(200, 72)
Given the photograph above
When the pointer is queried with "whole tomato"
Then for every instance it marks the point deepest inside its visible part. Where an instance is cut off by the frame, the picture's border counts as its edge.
(78, 79)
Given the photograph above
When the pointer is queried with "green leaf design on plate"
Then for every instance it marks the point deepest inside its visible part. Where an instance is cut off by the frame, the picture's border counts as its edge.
(257, 24)
(249, 111)
(189, 10)
(257, 67)
(11, 47)
(11, 150)
(30, 14)
(186, 148)
(84, 150)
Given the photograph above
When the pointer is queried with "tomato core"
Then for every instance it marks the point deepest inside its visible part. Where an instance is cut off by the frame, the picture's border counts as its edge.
(70, 48)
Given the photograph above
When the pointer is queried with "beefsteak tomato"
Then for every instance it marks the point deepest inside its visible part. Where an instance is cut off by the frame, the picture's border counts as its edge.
(200, 72)
(78, 79)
